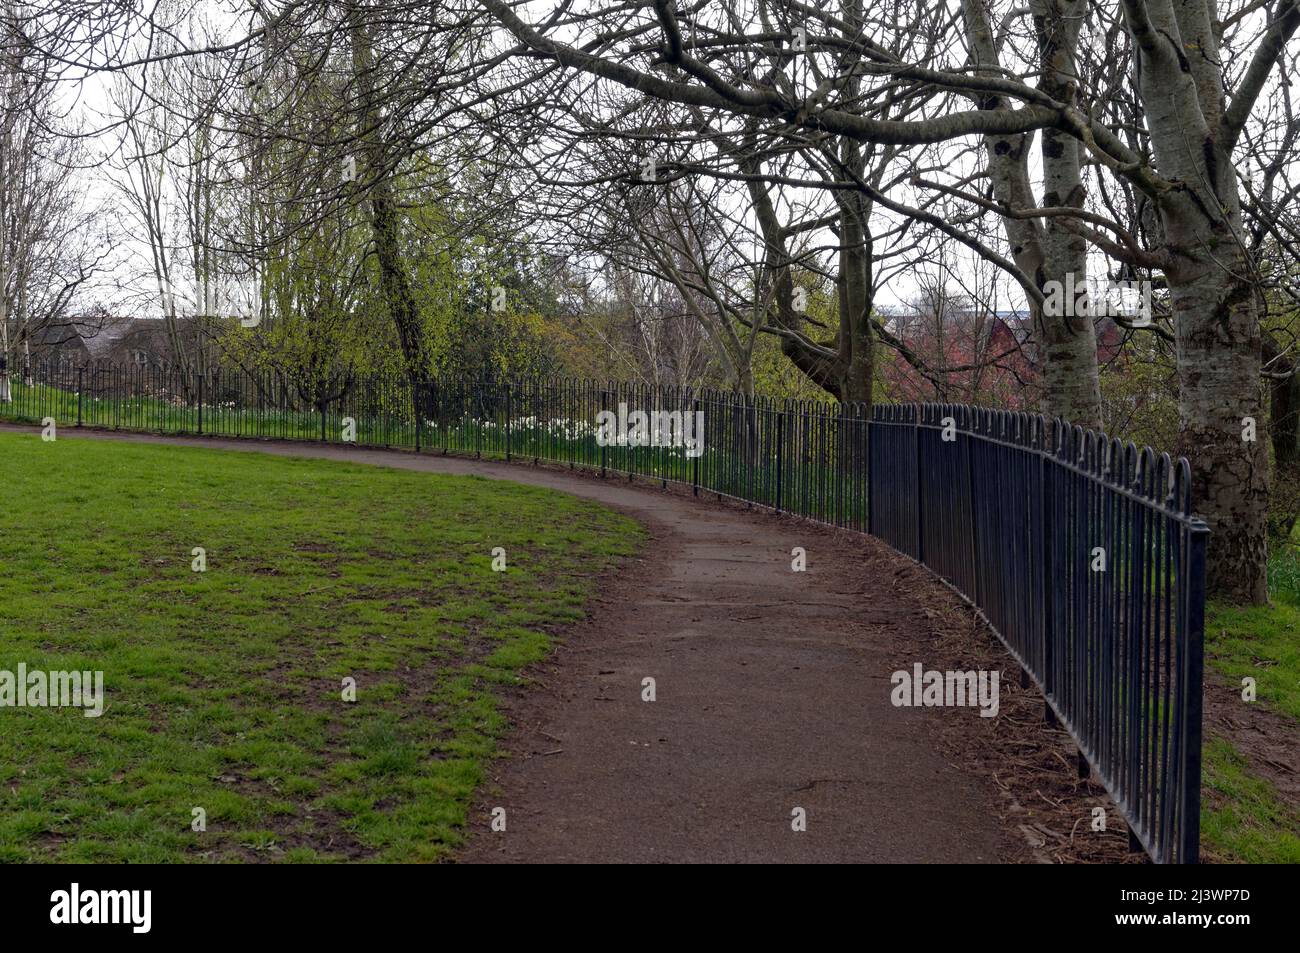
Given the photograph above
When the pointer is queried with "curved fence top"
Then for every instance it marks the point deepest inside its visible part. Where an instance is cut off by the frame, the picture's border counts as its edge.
(1156, 478)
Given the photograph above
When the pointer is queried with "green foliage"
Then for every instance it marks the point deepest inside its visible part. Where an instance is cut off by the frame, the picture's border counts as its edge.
(324, 324)
(481, 303)
(1139, 394)
(776, 376)
(326, 321)
(774, 373)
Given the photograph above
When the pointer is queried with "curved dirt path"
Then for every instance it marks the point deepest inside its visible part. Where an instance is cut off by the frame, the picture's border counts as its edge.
(772, 693)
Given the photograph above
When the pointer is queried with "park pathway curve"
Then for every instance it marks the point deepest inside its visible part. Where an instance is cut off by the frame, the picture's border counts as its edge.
(772, 693)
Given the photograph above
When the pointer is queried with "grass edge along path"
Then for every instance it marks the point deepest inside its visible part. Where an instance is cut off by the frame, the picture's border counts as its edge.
(1245, 816)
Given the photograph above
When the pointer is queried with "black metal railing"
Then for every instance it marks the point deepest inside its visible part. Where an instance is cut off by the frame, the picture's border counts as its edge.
(1085, 558)
(1081, 553)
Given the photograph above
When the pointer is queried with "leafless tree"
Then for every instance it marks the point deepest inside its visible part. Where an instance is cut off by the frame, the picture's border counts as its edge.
(51, 240)
(1193, 112)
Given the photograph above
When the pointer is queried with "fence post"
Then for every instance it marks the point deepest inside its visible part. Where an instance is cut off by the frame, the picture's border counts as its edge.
(322, 420)
(871, 472)
(200, 377)
(80, 378)
(780, 455)
(1193, 660)
(604, 395)
(1049, 569)
(843, 468)
(415, 400)
(695, 461)
(971, 416)
(507, 421)
(920, 488)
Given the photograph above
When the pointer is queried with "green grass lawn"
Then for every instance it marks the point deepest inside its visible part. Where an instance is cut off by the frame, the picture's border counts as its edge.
(224, 688)
(1254, 825)
(1262, 642)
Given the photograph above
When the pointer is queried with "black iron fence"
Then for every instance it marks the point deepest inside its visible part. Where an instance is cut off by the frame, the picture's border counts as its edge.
(1084, 556)
(1082, 553)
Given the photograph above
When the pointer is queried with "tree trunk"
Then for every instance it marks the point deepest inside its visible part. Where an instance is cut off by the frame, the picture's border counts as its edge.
(854, 364)
(385, 224)
(1044, 250)
(1215, 310)
(1071, 383)
(1220, 418)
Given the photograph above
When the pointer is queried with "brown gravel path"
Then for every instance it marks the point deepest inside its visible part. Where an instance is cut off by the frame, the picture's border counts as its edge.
(772, 694)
